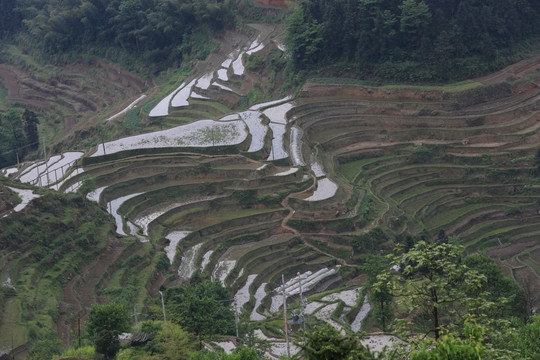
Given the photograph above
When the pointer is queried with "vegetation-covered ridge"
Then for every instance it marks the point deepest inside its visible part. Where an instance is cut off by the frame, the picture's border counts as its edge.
(410, 40)
(162, 32)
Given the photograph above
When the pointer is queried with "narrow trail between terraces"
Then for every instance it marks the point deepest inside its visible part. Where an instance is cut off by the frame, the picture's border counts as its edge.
(285, 204)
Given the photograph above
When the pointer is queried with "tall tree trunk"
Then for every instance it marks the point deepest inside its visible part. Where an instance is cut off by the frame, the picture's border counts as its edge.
(435, 313)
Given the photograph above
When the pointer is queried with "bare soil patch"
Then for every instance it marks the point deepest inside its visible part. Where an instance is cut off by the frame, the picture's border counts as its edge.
(73, 95)
(79, 293)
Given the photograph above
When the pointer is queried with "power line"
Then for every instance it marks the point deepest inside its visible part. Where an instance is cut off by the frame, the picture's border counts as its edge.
(18, 148)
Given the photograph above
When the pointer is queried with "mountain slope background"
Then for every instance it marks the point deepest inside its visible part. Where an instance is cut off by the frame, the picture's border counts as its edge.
(408, 161)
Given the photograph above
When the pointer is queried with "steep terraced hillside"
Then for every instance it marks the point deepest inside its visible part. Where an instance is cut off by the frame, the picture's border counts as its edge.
(305, 187)
(436, 161)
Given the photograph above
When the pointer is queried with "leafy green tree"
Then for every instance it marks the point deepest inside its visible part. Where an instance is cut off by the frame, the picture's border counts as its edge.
(498, 287)
(408, 39)
(12, 139)
(433, 281)
(373, 266)
(113, 317)
(10, 18)
(167, 342)
(243, 353)
(414, 20)
(31, 121)
(304, 39)
(12, 122)
(261, 346)
(105, 323)
(107, 344)
(448, 347)
(203, 309)
(46, 347)
(527, 339)
(326, 343)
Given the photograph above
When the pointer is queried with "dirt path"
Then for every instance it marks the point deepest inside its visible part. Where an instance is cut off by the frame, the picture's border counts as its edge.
(79, 293)
(284, 226)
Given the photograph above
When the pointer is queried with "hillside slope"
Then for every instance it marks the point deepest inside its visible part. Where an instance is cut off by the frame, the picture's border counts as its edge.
(311, 185)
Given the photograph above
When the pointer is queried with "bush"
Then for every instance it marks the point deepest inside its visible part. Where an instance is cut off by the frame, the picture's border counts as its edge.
(254, 62)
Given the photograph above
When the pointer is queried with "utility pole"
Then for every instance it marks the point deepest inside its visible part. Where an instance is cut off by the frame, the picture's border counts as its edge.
(163, 306)
(79, 330)
(44, 139)
(301, 304)
(235, 317)
(285, 315)
(102, 142)
(135, 313)
(39, 176)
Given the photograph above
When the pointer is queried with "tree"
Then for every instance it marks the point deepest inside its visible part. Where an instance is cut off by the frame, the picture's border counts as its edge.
(167, 342)
(113, 317)
(203, 309)
(499, 287)
(326, 343)
(415, 18)
(105, 323)
(304, 39)
(107, 344)
(30, 121)
(373, 266)
(448, 347)
(526, 339)
(433, 282)
(12, 123)
(260, 346)
(243, 353)
(45, 347)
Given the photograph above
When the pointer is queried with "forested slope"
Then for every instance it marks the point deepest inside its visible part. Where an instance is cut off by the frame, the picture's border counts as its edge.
(411, 39)
(162, 32)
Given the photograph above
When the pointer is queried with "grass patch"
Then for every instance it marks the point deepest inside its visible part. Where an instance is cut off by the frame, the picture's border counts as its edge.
(133, 119)
(452, 87)
(211, 104)
(443, 218)
(12, 332)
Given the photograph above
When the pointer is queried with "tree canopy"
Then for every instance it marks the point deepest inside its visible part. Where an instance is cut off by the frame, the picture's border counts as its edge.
(18, 135)
(203, 309)
(170, 342)
(325, 342)
(160, 31)
(410, 39)
(498, 287)
(112, 317)
(433, 281)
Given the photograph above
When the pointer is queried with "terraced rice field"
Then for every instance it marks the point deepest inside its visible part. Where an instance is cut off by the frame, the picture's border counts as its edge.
(311, 185)
(462, 163)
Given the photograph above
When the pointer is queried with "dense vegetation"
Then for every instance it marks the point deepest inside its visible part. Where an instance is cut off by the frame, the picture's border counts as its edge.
(161, 32)
(49, 242)
(410, 39)
(18, 135)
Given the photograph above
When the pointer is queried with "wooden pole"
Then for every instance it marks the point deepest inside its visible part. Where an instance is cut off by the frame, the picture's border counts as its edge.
(286, 325)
